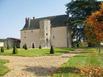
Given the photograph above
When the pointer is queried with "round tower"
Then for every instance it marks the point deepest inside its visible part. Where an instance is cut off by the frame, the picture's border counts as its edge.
(45, 26)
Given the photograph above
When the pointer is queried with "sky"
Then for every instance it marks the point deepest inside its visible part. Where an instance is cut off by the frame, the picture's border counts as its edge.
(14, 12)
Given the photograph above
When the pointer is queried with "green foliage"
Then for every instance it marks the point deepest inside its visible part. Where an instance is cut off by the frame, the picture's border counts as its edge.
(36, 52)
(14, 49)
(77, 12)
(8, 46)
(85, 60)
(2, 49)
(40, 47)
(25, 46)
(51, 50)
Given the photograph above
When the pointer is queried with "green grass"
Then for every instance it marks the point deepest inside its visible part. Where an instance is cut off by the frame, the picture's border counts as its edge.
(29, 53)
(36, 52)
(3, 69)
(92, 58)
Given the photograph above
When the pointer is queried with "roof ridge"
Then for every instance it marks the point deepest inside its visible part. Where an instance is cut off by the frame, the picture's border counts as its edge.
(50, 16)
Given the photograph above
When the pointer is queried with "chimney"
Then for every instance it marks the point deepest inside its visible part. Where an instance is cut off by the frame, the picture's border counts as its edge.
(33, 18)
(28, 21)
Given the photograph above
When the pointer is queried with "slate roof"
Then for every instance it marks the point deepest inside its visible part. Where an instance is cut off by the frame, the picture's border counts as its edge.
(56, 21)
(2, 40)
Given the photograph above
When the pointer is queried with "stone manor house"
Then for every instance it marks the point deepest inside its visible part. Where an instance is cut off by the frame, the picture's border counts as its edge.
(46, 31)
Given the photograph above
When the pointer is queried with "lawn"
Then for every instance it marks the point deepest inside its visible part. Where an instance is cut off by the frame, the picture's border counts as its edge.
(82, 65)
(3, 69)
(36, 52)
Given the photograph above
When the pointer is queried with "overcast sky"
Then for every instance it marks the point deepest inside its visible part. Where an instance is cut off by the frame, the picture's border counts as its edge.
(13, 13)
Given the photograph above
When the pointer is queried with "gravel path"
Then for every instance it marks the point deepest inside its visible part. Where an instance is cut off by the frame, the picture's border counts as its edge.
(34, 66)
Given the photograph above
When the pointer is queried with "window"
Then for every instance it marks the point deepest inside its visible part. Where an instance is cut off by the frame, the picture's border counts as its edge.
(46, 34)
(53, 36)
(47, 40)
(24, 36)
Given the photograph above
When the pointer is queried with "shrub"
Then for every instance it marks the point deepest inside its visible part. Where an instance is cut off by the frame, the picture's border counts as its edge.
(2, 49)
(91, 71)
(25, 46)
(8, 46)
(39, 46)
(14, 49)
(33, 46)
(51, 50)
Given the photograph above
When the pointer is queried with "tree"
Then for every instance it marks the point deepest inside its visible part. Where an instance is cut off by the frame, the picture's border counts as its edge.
(40, 47)
(77, 12)
(2, 49)
(25, 46)
(14, 49)
(8, 46)
(51, 50)
(95, 23)
(90, 36)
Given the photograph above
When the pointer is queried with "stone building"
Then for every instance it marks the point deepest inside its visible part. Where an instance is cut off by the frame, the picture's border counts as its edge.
(2, 42)
(46, 31)
(9, 42)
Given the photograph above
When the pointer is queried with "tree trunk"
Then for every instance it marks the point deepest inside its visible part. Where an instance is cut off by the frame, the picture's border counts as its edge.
(99, 48)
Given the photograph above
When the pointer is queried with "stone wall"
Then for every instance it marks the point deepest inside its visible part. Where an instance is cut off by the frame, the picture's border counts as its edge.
(29, 37)
(58, 37)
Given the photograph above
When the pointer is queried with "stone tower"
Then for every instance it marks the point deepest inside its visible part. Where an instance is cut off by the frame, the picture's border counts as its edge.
(45, 27)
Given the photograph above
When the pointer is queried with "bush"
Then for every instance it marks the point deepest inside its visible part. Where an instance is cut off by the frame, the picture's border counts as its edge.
(25, 46)
(8, 46)
(39, 46)
(51, 50)
(33, 45)
(14, 49)
(91, 71)
(2, 49)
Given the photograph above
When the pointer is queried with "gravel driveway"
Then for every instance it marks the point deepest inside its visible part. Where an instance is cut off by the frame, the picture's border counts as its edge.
(34, 66)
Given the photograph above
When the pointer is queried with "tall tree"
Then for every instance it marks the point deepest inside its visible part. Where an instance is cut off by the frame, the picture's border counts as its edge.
(77, 11)
(94, 23)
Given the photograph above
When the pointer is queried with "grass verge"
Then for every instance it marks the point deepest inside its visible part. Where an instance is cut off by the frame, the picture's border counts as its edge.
(3, 69)
(36, 52)
(89, 62)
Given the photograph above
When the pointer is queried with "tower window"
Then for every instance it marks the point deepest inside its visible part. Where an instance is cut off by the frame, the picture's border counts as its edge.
(47, 40)
(46, 33)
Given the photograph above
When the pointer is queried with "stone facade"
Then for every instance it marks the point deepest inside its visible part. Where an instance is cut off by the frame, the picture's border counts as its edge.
(10, 42)
(45, 32)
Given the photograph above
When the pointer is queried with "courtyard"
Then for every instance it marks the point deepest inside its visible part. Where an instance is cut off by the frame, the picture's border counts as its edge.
(67, 63)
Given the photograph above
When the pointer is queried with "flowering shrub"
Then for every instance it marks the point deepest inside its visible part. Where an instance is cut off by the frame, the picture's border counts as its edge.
(91, 71)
